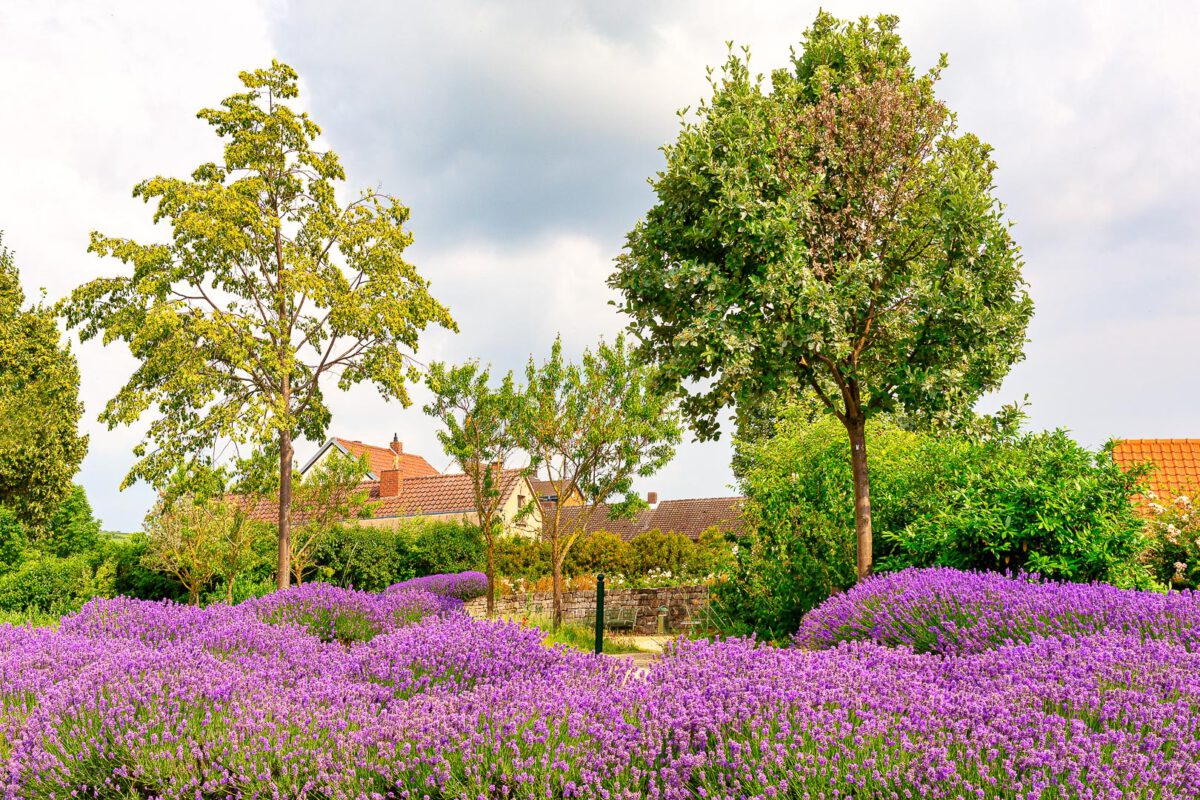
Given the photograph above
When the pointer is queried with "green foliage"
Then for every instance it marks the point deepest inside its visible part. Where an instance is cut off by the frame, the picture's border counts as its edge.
(267, 289)
(1173, 532)
(133, 579)
(72, 528)
(1039, 503)
(433, 547)
(51, 585)
(480, 430)
(656, 551)
(592, 427)
(40, 445)
(833, 236)
(521, 558)
(365, 557)
(13, 540)
(1006, 500)
(600, 552)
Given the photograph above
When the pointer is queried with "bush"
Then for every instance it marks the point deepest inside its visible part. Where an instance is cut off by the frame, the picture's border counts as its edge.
(132, 579)
(431, 547)
(52, 585)
(599, 552)
(1173, 530)
(522, 559)
(364, 557)
(1038, 502)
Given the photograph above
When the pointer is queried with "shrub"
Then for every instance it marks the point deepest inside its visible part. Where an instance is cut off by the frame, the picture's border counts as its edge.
(995, 501)
(1173, 531)
(132, 578)
(53, 585)
(431, 547)
(600, 552)
(364, 557)
(522, 559)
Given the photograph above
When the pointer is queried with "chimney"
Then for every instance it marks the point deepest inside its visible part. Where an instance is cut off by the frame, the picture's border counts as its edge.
(397, 445)
(390, 483)
(652, 498)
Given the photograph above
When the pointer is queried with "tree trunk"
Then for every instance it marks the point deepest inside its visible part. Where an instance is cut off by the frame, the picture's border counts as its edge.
(491, 578)
(857, 429)
(285, 509)
(558, 592)
(229, 591)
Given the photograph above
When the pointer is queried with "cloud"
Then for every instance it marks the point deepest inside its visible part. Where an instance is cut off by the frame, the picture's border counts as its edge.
(522, 136)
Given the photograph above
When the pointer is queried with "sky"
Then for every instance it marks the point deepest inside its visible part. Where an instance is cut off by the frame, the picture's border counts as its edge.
(522, 136)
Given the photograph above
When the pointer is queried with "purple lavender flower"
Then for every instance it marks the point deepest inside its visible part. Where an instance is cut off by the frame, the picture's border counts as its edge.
(462, 585)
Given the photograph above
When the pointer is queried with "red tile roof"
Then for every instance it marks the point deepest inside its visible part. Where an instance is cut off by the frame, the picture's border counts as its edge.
(434, 495)
(689, 517)
(1176, 463)
(383, 458)
(427, 495)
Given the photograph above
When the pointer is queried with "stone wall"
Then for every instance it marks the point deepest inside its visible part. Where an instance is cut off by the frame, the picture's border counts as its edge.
(682, 603)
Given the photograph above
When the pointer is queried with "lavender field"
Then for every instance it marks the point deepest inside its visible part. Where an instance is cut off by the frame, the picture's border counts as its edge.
(921, 684)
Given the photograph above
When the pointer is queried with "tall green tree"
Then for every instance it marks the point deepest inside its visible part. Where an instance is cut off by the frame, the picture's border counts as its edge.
(268, 290)
(833, 235)
(593, 427)
(40, 444)
(480, 431)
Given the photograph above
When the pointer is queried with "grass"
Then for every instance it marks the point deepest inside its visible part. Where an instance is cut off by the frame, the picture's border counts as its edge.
(578, 636)
(38, 619)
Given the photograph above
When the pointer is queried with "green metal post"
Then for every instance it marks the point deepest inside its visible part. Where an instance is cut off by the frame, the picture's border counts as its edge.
(600, 613)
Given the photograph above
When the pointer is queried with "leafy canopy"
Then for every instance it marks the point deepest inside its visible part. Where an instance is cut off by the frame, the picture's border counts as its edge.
(40, 444)
(266, 286)
(832, 234)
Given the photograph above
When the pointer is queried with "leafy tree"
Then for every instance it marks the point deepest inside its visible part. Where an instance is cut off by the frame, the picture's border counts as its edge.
(480, 425)
(187, 536)
(593, 427)
(328, 495)
(267, 288)
(833, 236)
(72, 528)
(40, 444)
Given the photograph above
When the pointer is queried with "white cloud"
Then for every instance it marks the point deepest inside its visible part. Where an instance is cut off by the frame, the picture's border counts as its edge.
(522, 135)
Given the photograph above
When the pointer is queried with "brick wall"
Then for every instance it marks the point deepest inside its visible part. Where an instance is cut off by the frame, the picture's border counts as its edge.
(681, 604)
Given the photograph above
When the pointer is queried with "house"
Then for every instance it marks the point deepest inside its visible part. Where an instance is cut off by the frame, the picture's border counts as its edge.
(1175, 464)
(404, 486)
(690, 517)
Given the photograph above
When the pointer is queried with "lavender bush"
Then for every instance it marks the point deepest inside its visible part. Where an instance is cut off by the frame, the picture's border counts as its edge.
(459, 585)
(942, 610)
(130, 699)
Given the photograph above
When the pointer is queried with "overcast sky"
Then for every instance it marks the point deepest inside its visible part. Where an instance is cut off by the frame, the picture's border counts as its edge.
(522, 135)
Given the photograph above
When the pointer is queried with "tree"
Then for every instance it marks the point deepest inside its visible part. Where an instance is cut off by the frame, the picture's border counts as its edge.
(329, 495)
(40, 444)
(72, 528)
(594, 427)
(480, 427)
(267, 288)
(187, 537)
(833, 236)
